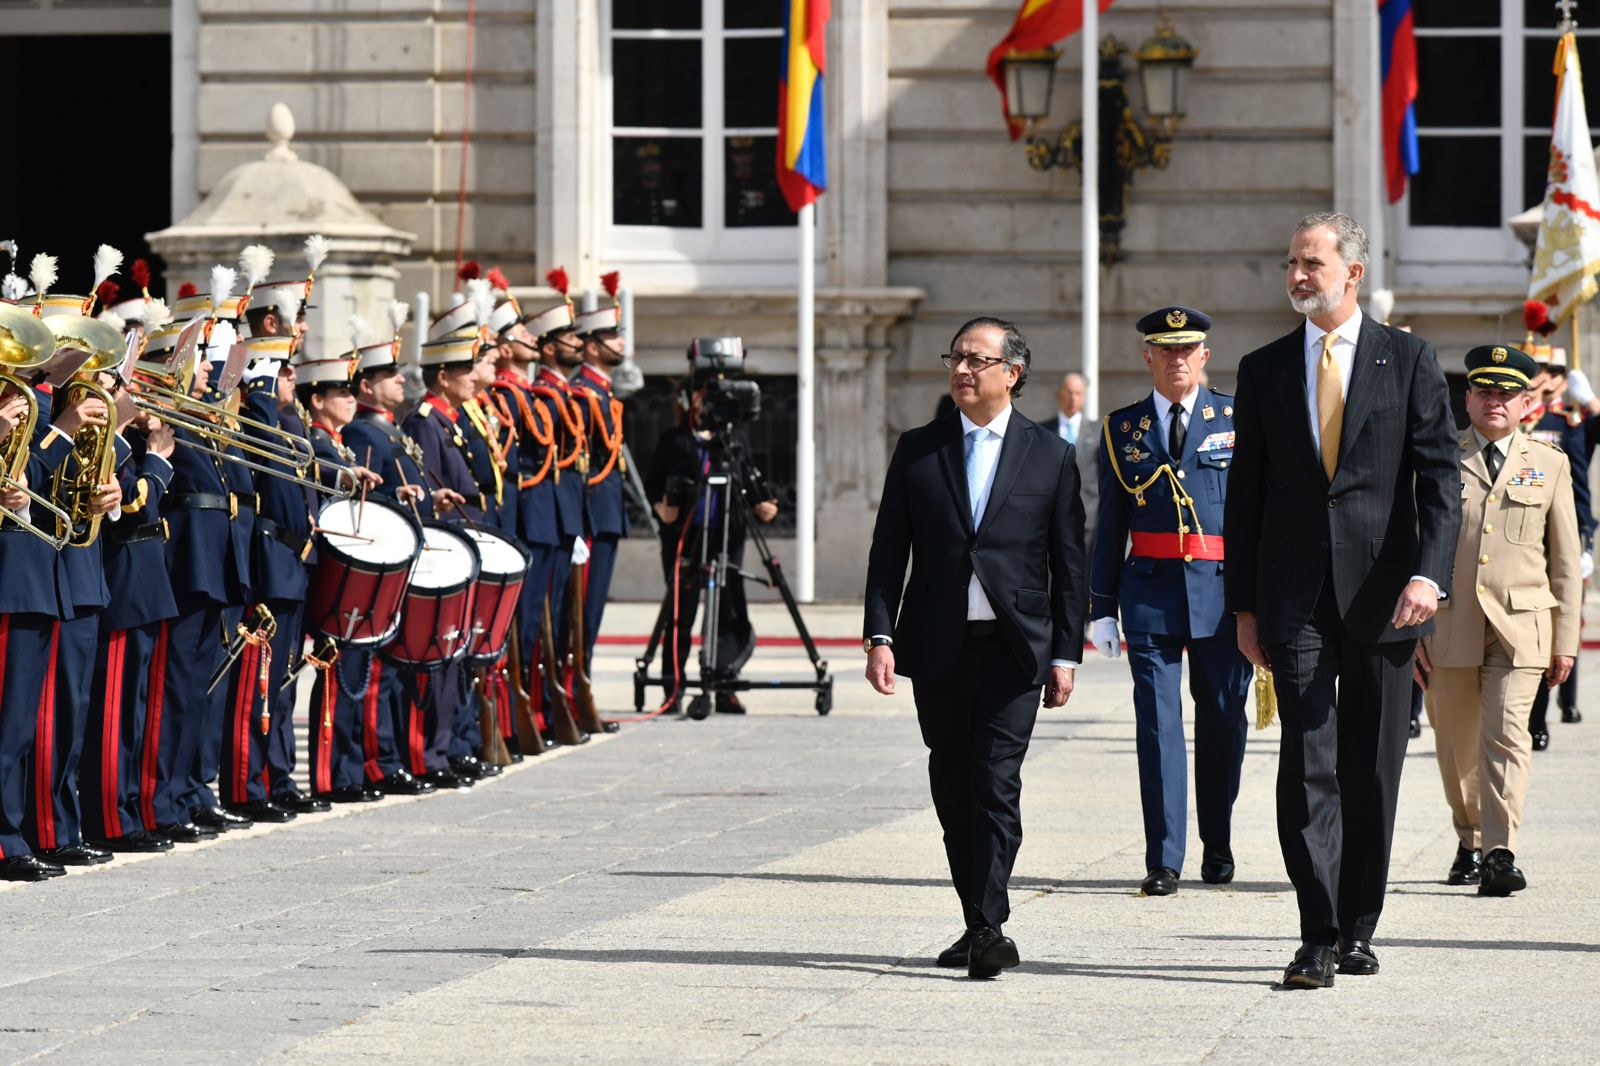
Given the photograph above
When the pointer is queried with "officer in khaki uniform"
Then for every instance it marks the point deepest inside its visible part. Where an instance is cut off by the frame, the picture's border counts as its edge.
(1512, 624)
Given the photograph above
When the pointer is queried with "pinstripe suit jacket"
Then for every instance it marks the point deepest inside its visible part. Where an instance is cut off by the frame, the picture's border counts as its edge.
(1391, 511)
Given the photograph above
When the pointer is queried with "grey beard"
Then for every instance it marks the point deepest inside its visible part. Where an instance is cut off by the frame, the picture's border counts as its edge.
(1311, 306)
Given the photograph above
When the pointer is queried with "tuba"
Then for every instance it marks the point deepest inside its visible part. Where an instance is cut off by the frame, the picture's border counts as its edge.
(93, 447)
(26, 343)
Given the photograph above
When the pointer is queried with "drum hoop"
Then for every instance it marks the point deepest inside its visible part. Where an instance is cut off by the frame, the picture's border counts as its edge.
(395, 509)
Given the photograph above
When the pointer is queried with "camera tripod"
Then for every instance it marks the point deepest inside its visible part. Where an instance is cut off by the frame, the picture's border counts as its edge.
(720, 491)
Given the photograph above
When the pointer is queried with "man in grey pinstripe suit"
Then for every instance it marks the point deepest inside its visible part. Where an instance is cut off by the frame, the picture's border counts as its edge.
(1342, 516)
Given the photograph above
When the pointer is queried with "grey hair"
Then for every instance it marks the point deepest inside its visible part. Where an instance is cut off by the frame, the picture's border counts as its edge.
(1348, 235)
(1013, 347)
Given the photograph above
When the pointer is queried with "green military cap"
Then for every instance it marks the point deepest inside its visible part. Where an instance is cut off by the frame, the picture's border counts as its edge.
(1500, 366)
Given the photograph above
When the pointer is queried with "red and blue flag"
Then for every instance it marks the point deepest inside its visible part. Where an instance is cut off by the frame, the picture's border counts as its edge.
(1397, 42)
(802, 155)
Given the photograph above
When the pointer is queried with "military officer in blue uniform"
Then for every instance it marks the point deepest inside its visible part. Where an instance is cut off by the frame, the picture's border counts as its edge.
(1158, 559)
(601, 331)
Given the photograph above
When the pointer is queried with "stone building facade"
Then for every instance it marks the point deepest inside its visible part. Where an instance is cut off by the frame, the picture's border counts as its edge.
(933, 215)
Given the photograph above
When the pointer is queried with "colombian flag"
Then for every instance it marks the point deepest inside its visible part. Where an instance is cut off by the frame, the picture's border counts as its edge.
(1040, 24)
(1398, 50)
(802, 160)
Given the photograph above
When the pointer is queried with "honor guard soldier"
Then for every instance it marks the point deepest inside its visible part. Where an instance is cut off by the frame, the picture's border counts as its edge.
(29, 600)
(601, 333)
(1512, 625)
(344, 695)
(1163, 478)
(116, 778)
(81, 480)
(1552, 417)
(396, 458)
(431, 697)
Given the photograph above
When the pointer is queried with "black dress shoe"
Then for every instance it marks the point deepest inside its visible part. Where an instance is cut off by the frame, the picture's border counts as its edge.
(74, 855)
(219, 819)
(1414, 730)
(403, 783)
(990, 951)
(1500, 874)
(300, 803)
(1468, 867)
(446, 779)
(956, 954)
(1162, 881)
(466, 766)
(1541, 739)
(1357, 958)
(29, 868)
(1571, 715)
(186, 832)
(351, 794)
(1312, 967)
(140, 840)
(1216, 867)
(263, 811)
(727, 703)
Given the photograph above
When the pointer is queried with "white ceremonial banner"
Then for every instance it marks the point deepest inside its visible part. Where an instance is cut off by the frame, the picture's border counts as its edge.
(1567, 256)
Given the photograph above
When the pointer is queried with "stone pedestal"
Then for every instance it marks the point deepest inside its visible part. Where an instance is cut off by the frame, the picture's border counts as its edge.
(279, 201)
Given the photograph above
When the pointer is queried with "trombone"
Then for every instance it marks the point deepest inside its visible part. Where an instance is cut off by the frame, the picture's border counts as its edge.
(25, 343)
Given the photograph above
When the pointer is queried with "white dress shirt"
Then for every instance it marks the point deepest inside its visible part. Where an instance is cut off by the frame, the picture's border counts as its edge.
(1075, 422)
(1164, 409)
(1344, 352)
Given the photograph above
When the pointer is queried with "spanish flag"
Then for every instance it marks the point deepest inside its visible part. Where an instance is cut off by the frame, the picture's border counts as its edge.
(802, 160)
(1040, 24)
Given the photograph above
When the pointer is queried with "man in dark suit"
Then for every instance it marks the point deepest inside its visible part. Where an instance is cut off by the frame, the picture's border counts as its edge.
(1342, 518)
(1070, 422)
(985, 506)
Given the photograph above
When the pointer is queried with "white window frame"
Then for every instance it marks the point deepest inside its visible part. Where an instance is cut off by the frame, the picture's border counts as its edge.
(714, 254)
(1483, 255)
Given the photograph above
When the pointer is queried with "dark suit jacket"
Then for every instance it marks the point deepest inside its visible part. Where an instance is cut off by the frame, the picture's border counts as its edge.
(1027, 550)
(1393, 509)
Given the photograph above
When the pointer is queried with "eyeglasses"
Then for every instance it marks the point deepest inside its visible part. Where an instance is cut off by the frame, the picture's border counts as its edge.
(975, 363)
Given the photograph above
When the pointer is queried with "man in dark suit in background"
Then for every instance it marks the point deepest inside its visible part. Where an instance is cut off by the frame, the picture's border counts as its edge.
(1342, 517)
(1072, 423)
(984, 504)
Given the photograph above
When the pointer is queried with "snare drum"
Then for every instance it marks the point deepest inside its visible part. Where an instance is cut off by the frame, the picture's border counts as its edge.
(360, 580)
(436, 620)
(504, 569)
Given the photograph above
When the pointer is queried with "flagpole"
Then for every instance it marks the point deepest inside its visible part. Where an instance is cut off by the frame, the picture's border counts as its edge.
(1090, 171)
(805, 496)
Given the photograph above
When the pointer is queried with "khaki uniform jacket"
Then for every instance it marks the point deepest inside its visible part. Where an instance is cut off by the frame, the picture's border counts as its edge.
(1518, 560)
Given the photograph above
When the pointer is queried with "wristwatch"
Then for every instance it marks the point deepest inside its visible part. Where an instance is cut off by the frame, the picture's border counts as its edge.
(876, 642)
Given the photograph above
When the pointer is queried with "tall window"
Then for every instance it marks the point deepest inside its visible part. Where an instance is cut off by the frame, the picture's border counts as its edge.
(694, 114)
(1485, 99)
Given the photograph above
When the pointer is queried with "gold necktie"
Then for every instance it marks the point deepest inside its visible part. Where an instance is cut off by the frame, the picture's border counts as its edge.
(1330, 405)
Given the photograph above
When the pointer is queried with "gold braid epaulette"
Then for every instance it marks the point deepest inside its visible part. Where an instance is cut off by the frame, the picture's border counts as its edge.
(1180, 498)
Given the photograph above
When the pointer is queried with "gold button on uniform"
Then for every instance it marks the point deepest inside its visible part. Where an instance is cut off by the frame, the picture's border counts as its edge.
(1188, 558)
(1481, 588)
(1488, 529)
(1483, 560)
(1180, 473)
(1489, 498)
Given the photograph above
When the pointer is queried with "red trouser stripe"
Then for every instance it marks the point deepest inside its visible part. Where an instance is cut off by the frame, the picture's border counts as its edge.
(369, 722)
(5, 640)
(111, 736)
(149, 769)
(243, 703)
(414, 721)
(44, 753)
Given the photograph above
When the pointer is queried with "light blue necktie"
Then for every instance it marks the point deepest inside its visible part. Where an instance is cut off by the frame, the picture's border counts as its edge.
(974, 473)
(1072, 432)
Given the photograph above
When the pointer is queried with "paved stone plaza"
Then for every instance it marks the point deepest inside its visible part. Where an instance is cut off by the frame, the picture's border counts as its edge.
(770, 889)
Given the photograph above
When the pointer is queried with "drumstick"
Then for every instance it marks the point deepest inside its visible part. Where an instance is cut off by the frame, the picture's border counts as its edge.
(339, 533)
(412, 500)
(361, 508)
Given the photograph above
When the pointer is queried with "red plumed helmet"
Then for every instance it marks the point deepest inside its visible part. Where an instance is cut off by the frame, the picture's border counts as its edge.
(469, 270)
(140, 273)
(611, 282)
(1536, 317)
(557, 280)
(498, 279)
(188, 289)
(107, 293)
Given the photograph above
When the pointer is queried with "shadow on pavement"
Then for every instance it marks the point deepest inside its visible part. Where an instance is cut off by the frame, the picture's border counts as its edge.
(1443, 945)
(1129, 886)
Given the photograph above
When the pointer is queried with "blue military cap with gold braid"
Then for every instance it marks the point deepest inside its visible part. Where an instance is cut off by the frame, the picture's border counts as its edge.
(1174, 326)
(1500, 366)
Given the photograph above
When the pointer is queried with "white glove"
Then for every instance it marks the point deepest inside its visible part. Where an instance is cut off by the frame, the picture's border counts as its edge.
(580, 551)
(1104, 636)
(1588, 565)
(1579, 391)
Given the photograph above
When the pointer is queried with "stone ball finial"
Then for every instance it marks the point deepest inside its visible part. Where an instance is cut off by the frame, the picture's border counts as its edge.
(280, 131)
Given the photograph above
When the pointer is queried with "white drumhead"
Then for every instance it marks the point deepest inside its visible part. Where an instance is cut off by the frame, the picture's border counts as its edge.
(500, 556)
(446, 559)
(385, 537)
